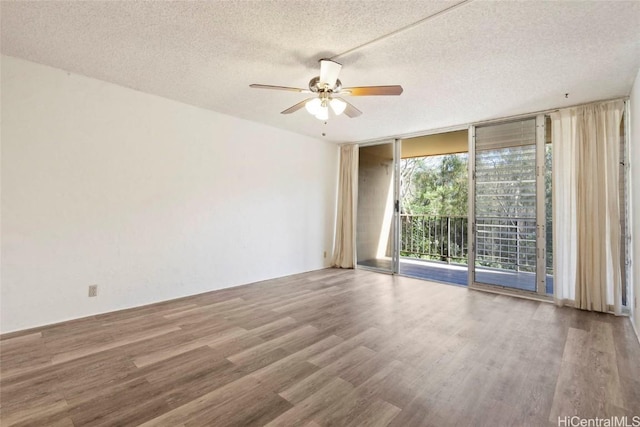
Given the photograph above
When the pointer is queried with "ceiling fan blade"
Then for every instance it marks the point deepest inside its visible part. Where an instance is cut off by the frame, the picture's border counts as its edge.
(329, 71)
(350, 110)
(371, 90)
(290, 89)
(296, 107)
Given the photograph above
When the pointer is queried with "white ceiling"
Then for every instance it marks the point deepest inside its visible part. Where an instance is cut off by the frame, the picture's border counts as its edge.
(482, 60)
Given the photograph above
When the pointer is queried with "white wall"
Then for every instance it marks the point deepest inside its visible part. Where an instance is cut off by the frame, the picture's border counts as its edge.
(148, 198)
(635, 197)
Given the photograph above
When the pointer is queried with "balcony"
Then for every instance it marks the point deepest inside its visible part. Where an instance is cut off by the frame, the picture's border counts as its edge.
(437, 248)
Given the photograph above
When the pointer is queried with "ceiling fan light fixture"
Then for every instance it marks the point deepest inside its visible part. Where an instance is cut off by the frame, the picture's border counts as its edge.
(323, 113)
(313, 106)
(338, 106)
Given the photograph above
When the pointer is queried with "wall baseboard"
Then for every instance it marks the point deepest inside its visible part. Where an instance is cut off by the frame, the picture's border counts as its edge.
(38, 328)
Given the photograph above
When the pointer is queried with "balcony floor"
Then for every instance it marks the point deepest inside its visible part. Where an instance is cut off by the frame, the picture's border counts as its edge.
(457, 273)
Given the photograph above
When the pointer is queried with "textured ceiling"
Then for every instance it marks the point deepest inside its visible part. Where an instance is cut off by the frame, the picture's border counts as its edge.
(482, 60)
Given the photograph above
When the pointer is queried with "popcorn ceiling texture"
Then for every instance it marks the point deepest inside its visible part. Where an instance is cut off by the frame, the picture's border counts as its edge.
(480, 61)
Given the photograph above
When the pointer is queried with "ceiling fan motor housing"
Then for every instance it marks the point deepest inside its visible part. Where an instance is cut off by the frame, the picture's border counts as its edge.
(315, 86)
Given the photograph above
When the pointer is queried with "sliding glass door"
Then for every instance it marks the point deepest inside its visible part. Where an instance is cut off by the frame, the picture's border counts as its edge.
(509, 219)
(376, 231)
(507, 244)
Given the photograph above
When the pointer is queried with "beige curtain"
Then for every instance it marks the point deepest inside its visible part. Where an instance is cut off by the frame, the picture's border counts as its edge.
(586, 142)
(344, 253)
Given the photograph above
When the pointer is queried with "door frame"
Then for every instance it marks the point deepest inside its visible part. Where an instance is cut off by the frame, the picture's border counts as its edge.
(397, 231)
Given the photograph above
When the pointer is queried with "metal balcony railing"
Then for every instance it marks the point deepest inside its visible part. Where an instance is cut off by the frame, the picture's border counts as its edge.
(442, 238)
(504, 243)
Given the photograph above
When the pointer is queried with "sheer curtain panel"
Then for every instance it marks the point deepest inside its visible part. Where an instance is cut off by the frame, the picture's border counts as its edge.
(586, 213)
(344, 253)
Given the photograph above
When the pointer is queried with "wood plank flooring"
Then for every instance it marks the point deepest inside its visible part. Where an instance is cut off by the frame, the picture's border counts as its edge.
(331, 347)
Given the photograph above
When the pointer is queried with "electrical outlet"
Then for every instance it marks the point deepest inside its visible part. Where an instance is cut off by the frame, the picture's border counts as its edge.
(93, 290)
(325, 254)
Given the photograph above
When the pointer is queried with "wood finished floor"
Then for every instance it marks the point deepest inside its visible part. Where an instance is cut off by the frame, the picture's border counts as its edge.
(332, 347)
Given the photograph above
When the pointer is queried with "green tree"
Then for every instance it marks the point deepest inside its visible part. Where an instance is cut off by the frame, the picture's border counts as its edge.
(433, 189)
(436, 185)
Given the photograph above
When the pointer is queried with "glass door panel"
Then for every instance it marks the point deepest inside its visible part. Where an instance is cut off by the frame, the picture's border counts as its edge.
(375, 223)
(505, 205)
(434, 188)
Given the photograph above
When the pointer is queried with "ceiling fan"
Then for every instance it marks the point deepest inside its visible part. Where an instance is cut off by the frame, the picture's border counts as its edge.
(327, 86)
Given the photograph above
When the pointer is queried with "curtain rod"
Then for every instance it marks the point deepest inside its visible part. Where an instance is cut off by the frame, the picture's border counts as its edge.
(483, 122)
(604, 101)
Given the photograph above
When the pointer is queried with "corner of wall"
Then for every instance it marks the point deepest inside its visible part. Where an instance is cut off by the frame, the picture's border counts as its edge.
(634, 200)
